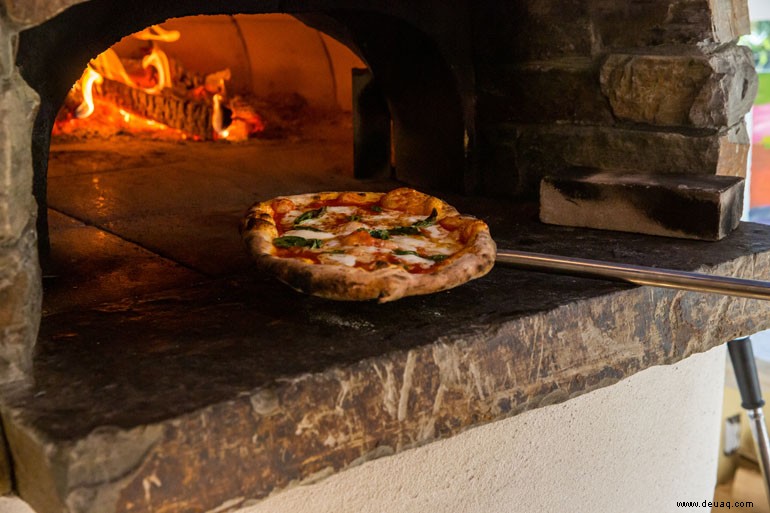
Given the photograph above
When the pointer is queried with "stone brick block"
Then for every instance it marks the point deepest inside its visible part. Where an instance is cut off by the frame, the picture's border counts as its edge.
(529, 30)
(632, 23)
(730, 90)
(733, 151)
(532, 30)
(639, 23)
(730, 19)
(683, 206)
(20, 300)
(6, 478)
(532, 152)
(26, 13)
(13, 298)
(8, 40)
(685, 90)
(18, 105)
(658, 90)
(566, 90)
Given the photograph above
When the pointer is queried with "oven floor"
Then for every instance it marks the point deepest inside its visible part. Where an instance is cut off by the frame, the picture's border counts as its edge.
(131, 217)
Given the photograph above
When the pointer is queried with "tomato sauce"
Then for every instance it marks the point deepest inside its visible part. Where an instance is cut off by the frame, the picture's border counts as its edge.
(337, 202)
(298, 253)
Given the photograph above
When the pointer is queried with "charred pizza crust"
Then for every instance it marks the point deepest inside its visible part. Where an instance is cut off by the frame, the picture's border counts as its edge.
(474, 259)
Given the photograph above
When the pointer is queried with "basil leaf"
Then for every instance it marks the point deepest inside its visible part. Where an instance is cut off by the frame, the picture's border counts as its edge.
(404, 230)
(380, 234)
(310, 229)
(438, 258)
(310, 214)
(376, 208)
(431, 219)
(292, 241)
(404, 252)
(354, 218)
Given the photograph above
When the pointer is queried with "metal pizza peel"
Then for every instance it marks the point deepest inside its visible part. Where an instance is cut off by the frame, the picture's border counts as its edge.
(636, 274)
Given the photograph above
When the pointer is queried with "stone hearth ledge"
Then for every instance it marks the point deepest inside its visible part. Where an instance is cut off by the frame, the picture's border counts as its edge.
(255, 387)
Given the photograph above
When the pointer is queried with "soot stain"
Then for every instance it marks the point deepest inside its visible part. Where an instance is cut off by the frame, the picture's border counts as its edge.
(674, 211)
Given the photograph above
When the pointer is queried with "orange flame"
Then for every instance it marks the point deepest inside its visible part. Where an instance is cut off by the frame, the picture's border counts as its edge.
(158, 33)
(215, 82)
(217, 118)
(109, 66)
(244, 123)
(233, 119)
(157, 59)
(87, 81)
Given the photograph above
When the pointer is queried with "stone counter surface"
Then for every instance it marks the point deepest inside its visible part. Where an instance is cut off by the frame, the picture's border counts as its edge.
(224, 392)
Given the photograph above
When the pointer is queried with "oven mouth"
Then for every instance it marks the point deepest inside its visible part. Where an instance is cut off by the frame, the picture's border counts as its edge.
(417, 79)
(128, 218)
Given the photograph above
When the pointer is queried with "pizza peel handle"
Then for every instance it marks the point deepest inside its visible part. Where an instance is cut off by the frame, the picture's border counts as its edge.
(637, 274)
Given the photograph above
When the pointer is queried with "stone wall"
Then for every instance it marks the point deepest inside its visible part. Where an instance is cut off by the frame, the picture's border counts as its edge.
(633, 86)
(20, 289)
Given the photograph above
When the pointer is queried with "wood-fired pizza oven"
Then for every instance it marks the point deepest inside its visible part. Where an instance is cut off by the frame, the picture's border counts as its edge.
(473, 101)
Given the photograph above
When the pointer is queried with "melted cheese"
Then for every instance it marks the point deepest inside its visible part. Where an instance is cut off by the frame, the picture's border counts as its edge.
(309, 234)
(415, 260)
(348, 211)
(291, 216)
(348, 228)
(428, 246)
(332, 258)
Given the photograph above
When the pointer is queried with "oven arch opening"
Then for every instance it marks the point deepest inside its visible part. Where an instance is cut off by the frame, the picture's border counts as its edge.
(422, 73)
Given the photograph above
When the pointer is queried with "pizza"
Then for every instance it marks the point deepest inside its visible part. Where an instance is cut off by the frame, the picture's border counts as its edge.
(367, 245)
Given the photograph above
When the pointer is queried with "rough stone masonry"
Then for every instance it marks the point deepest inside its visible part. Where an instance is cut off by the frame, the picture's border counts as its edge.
(633, 86)
(559, 85)
(628, 87)
(20, 289)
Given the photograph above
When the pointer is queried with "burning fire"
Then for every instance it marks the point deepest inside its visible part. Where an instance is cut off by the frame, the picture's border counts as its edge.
(158, 33)
(118, 93)
(158, 61)
(90, 77)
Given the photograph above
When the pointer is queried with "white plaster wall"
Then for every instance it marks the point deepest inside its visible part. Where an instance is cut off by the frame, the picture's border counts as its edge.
(637, 446)
(759, 10)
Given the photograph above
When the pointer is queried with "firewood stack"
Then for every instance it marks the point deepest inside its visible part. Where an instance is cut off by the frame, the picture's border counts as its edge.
(189, 114)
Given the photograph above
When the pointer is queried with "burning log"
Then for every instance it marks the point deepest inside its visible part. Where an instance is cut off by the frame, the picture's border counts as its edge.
(162, 93)
(192, 116)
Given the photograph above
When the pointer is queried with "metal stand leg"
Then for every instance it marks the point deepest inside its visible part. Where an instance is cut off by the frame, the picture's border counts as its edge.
(745, 367)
